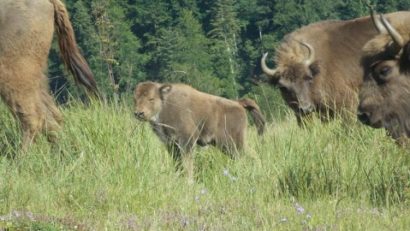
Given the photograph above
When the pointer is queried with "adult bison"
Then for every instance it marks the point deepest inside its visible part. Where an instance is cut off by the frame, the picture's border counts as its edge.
(385, 93)
(182, 116)
(318, 66)
(26, 32)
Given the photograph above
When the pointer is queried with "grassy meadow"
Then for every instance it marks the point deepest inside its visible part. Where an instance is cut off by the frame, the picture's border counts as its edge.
(110, 172)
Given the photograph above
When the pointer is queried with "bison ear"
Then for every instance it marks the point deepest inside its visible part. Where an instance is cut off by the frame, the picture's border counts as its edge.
(164, 89)
(315, 68)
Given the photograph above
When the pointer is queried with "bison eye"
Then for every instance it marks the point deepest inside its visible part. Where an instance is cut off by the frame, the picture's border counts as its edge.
(382, 74)
(283, 88)
(309, 77)
(384, 71)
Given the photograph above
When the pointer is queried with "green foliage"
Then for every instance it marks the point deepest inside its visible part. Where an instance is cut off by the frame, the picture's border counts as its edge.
(224, 34)
(183, 55)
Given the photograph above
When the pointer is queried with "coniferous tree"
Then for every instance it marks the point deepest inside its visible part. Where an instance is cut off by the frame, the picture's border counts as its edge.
(119, 55)
(183, 55)
(225, 33)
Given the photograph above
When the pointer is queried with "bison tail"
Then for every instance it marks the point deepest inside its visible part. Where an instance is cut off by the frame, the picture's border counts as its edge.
(256, 113)
(70, 53)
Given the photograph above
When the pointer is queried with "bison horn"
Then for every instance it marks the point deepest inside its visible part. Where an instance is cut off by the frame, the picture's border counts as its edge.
(376, 22)
(311, 56)
(265, 68)
(395, 35)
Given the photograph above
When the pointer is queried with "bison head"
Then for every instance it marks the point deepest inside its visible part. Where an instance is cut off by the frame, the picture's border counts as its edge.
(385, 92)
(148, 100)
(295, 77)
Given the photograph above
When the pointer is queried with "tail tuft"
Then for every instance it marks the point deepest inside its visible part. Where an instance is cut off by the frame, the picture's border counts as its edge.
(256, 113)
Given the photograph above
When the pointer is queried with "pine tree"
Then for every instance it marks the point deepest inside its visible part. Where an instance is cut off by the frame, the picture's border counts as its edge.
(225, 33)
(119, 55)
(183, 55)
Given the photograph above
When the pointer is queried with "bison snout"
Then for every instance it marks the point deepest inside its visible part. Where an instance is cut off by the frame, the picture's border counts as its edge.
(363, 117)
(139, 115)
(306, 109)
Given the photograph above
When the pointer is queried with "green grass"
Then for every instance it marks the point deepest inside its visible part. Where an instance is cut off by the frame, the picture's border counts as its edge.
(110, 172)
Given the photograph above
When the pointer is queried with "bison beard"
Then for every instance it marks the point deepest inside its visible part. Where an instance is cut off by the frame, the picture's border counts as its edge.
(182, 116)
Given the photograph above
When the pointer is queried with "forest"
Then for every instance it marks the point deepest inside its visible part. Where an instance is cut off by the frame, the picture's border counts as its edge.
(214, 46)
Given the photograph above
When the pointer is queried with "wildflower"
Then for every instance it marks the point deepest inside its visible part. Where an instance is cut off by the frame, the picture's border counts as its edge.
(197, 198)
(227, 174)
(299, 209)
(204, 191)
(184, 222)
(201, 193)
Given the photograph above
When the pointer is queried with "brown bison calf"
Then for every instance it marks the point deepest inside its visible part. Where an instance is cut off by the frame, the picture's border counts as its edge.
(26, 32)
(183, 116)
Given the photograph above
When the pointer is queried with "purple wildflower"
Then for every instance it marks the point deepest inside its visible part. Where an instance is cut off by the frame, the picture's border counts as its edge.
(299, 209)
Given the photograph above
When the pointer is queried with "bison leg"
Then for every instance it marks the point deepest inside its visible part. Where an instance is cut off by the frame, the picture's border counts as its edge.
(188, 164)
(29, 113)
(35, 110)
(183, 159)
(239, 143)
(175, 151)
(53, 118)
(186, 145)
(37, 114)
(21, 95)
(231, 144)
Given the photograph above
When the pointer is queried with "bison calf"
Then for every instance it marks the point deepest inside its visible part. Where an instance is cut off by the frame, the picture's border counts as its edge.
(183, 116)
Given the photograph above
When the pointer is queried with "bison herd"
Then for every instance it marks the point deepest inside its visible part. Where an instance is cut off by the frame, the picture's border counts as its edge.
(329, 68)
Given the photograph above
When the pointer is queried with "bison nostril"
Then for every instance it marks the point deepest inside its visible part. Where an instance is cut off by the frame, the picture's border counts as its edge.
(139, 114)
(306, 109)
(363, 117)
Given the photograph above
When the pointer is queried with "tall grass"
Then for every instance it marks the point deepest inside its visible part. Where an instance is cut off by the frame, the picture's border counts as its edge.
(110, 172)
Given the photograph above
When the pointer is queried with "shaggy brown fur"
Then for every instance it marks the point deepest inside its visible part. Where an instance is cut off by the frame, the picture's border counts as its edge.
(183, 116)
(26, 31)
(385, 92)
(329, 84)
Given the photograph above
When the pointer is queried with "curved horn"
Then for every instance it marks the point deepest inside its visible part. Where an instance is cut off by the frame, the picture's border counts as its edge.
(311, 57)
(393, 32)
(376, 21)
(265, 68)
